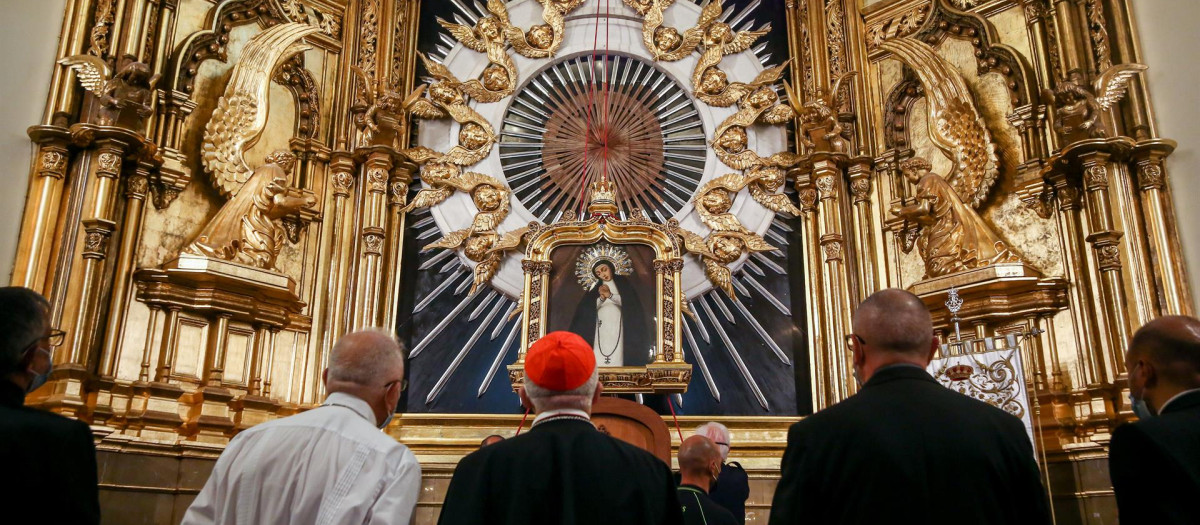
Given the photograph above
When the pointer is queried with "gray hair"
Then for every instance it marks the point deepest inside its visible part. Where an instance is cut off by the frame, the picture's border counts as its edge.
(718, 433)
(366, 357)
(579, 398)
(23, 318)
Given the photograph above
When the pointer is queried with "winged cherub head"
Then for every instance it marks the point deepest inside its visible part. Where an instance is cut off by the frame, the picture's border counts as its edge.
(486, 197)
(667, 38)
(717, 34)
(713, 81)
(716, 200)
(727, 247)
(495, 77)
(733, 139)
(541, 36)
(473, 136)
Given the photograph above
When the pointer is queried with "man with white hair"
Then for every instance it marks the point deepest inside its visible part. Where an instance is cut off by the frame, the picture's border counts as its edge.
(563, 471)
(330, 464)
(732, 488)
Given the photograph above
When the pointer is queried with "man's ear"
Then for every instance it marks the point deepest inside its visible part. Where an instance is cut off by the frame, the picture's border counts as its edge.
(933, 348)
(599, 391)
(1149, 373)
(325, 377)
(525, 401)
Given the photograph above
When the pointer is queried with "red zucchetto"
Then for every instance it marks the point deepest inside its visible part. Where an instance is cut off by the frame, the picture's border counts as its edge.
(560, 361)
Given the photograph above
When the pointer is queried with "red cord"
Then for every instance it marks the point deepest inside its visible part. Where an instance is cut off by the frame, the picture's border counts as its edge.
(676, 418)
(587, 128)
(604, 115)
(522, 425)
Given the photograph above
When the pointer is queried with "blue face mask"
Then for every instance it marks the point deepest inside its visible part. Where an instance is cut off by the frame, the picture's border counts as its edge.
(39, 379)
(1138, 404)
(1140, 408)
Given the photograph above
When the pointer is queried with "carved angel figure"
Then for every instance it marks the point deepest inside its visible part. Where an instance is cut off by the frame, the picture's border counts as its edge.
(542, 40)
(446, 98)
(953, 237)
(382, 122)
(499, 78)
(248, 229)
(819, 118)
(479, 242)
(665, 43)
(729, 239)
(122, 100)
(710, 84)
(1078, 109)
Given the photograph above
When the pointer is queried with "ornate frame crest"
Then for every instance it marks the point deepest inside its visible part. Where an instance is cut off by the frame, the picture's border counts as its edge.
(667, 373)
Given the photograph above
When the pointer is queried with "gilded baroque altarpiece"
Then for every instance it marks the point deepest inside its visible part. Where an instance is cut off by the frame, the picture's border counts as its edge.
(220, 189)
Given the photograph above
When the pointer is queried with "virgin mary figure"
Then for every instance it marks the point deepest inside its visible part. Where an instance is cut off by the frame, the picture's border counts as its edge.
(611, 316)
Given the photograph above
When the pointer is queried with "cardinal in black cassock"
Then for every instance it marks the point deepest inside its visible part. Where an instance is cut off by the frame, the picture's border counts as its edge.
(614, 300)
(563, 471)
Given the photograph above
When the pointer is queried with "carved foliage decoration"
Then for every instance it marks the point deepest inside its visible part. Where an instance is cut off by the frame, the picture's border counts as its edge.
(212, 43)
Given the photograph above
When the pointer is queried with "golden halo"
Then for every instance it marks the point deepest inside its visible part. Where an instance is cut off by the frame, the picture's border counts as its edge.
(603, 251)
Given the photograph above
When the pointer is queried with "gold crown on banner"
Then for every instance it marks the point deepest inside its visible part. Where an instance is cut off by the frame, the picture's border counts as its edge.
(959, 372)
(604, 197)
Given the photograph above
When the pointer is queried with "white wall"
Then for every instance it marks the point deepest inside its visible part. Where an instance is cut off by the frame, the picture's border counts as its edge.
(1170, 40)
(29, 32)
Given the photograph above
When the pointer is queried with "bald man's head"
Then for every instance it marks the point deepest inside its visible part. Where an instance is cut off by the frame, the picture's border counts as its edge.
(895, 320)
(1172, 344)
(697, 455)
(366, 358)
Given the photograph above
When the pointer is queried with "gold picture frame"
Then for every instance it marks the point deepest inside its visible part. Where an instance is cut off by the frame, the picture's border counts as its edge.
(666, 372)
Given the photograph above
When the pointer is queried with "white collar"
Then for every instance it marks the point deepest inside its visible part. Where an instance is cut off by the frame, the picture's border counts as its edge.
(561, 412)
(1176, 396)
(360, 407)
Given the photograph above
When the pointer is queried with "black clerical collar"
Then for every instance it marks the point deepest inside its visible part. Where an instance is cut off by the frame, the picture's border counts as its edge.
(693, 488)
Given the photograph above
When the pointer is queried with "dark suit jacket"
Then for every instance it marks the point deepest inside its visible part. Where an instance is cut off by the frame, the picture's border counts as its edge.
(700, 509)
(1155, 465)
(49, 463)
(907, 450)
(732, 489)
(561, 472)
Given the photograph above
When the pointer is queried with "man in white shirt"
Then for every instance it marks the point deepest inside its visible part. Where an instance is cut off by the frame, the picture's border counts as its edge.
(327, 465)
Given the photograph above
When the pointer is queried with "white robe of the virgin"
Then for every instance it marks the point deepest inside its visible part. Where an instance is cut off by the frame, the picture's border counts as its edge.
(610, 338)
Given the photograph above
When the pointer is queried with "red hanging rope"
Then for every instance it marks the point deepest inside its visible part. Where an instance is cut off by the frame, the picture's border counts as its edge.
(676, 418)
(587, 128)
(522, 425)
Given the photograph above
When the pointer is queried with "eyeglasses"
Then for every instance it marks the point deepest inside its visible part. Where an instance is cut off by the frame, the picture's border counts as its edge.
(403, 384)
(722, 443)
(56, 338)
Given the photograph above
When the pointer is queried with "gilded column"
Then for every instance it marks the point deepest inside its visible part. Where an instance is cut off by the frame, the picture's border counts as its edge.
(1162, 234)
(214, 355)
(818, 360)
(39, 224)
(836, 291)
(1083, 311)
(863, 227)
(402, 176)
(135, 199)
(369, 272)
(1105, 241)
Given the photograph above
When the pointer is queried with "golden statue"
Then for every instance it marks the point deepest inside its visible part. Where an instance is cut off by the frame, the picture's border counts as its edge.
(757, 104)
(717, 39)
(729, 239)
(248, 229)
(666, 43)
(480, 242)
(953, 237)
(382, 121)
(125, 99)
(821, 130)
(1077, 110)
(542, 40)
(499, 78)
(446, 97)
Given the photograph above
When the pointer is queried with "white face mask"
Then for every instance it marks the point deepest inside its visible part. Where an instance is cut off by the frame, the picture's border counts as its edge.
(1138, 403)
